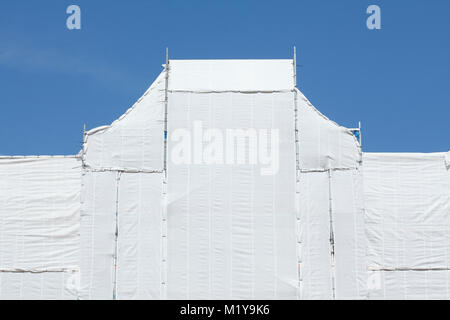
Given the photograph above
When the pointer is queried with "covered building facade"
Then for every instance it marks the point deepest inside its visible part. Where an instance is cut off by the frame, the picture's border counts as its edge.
(224, 182)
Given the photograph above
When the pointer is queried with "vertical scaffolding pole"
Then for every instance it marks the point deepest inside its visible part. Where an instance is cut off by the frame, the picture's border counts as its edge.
(83, 173)
(332, 251)
(295, 66)
(116, 236)
(83, 147)
(360, 134)
(163, 274)
(166, 103)
(297, 182)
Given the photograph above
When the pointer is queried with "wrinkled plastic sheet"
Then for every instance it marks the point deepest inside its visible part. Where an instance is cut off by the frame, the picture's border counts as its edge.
(332, 218)
(409, 285)
(323, 143)
(39, 227)
(407, 203)
(121, 235)
(133, 142)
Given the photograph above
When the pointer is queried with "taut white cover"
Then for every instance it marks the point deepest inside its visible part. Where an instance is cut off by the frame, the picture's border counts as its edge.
(332, 220)
(231, 75)
(314, 236)
(39, 227)
(407, 203)
(98, 230)
(140, 234)
(231, 229)
(349, 234)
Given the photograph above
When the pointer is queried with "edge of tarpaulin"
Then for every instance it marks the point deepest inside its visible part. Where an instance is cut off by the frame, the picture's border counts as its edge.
(106, 127)
(40, 157)
(328, 119)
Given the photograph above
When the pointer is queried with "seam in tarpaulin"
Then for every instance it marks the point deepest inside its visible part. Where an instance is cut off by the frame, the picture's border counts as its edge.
(163, 245)
(31, 157)
(231, 91)
(49, 270)
(329, 169)
(297, 199)
(120, 169)
(408, 269)
(164, 228)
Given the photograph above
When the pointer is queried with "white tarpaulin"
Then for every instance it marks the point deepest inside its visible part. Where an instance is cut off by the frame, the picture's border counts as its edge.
(134, 141)
(331, 209)
(121, 235)
(314, 226)
(332, 220)
(259, 196)
(407, 204)
(231, 224)
(231, 75)
(349, 234)
(139, 236)
(39, 227)
(98, 229)
(324, 144)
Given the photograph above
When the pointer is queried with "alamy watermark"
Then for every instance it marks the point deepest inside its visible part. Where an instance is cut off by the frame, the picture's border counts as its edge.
(213, 146)
(73, 22)
(374, 20)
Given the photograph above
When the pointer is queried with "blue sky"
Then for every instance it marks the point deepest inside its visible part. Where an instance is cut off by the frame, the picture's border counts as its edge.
(395, 80)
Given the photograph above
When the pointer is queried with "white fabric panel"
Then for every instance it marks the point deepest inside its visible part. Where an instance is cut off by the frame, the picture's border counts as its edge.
(231, 230)
(136, 140)
(315, 266)
(139, 242)
(409, 285)
(39, 226)
(323, 143)
(231, 75)
(39, 286)
(98, 228)
(407, 200)
(349, 234)
(39, 213)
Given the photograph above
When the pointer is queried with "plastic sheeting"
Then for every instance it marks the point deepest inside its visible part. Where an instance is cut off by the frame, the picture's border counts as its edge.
(324, 144)
(330, 208)
(235, 228)
(133, 142)
(314, 226)
(349, 234)
(39, 286)
(231, 229)
(227, 220)
(407, 204)
(121, 235)
(139, 242)
(231, 75)
(332, 235)
(409, 285)
(39, 227)
(98, 240)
